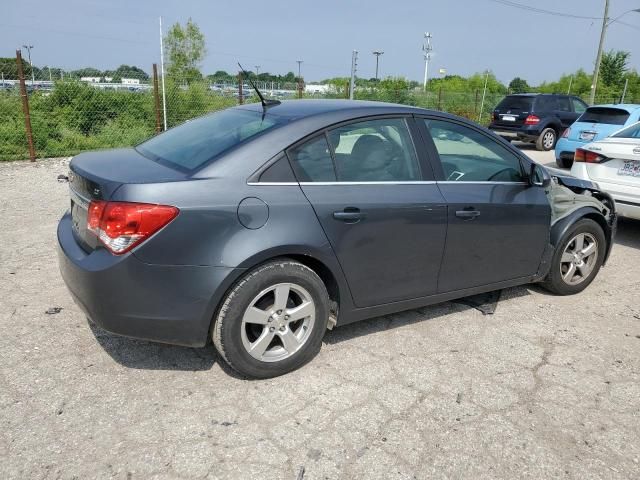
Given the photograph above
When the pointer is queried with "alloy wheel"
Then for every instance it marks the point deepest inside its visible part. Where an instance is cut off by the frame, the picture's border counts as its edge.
(548, 139)
(579, 259)
(278, 322)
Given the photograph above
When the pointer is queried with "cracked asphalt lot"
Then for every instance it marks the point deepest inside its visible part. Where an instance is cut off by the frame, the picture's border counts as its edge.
(547, 387)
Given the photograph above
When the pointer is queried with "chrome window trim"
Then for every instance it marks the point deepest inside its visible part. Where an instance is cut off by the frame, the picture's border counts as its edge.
(271, 184)
(414, 182)
(462, 182)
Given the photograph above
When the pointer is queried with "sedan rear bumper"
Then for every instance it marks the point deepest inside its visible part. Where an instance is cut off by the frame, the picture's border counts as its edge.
(162, 303)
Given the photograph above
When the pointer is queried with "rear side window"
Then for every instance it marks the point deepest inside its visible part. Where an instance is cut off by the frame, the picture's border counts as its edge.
(194, 143)
(514, 103)
(563, 104)
(374, 151)
(608, 115)
(546, 103)
(630, 132)
(312, 161)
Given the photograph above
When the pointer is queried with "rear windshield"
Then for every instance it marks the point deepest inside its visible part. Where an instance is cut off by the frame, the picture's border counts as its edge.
(516, 103)
(630, 132)
(608, 115)
(194, 143)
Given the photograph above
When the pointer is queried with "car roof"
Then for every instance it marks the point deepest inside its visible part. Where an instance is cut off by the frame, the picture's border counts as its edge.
(629, 107)
(297, 109)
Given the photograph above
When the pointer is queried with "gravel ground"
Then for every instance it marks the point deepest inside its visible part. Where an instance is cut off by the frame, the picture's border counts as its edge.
(547, 387)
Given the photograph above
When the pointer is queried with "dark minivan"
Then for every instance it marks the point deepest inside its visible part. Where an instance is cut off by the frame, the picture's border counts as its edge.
(538, 118)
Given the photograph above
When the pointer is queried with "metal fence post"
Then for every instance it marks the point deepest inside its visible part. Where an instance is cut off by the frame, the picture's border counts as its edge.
(156, 98)
(475, 105)
(25, 107)
(440, 98)
(240, 99)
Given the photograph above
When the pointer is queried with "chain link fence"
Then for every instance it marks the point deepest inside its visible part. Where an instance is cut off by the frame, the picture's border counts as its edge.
(71, 116)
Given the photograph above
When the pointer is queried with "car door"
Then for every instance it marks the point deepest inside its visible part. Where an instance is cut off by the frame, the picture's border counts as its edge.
(498, 224)
(379, 206)
(564, 111)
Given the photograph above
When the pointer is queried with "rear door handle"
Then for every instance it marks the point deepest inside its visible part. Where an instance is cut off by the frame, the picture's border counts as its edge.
(467, 214)
(349, 215)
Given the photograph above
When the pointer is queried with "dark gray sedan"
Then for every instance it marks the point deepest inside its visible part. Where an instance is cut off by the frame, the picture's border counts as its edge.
(263, 226)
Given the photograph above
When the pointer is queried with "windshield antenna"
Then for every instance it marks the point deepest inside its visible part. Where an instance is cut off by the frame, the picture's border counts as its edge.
(266, 103)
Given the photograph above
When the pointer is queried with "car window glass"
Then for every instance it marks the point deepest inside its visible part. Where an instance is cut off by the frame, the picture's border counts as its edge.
(578, 106)
(630, 132)
(194, 143)
(312, 161)
(469, 156)
(545, 103)
(563, 104)
(374, 151)
(607, 115)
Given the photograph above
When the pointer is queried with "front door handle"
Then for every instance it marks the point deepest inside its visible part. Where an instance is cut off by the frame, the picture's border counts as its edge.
(467, 214)
(349, 215)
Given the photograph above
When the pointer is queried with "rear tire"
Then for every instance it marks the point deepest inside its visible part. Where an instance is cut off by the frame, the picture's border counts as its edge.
(564, 162)
(547, 140)
(273, 319)
(577, 259)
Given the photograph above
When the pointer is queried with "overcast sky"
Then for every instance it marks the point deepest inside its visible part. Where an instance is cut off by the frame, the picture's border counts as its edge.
(468, 35)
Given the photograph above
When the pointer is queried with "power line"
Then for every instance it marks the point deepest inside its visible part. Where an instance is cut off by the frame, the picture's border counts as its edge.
(541, 10)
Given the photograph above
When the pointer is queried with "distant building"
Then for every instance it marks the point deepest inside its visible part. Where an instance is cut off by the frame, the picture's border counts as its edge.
(91, 79)
(131, 81)
(322, 89)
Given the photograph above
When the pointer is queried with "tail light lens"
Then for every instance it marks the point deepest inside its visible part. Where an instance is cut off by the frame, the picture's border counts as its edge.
(587, 156)
(120, 226)
(566, 133)
(532, 120)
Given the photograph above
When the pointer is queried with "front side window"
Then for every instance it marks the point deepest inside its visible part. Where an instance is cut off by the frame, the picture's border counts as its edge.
(578, 106)
(374, 151)
(469, 156)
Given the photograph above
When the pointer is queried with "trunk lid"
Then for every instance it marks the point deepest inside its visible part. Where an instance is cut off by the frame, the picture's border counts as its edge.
(623, 166)
(97, 175)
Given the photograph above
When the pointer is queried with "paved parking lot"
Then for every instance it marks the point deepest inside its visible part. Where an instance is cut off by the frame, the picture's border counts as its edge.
(547, 387)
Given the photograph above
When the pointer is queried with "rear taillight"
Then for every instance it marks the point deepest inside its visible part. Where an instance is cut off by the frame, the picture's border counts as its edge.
(120, 226)
(566, 133)
(587, 156)
(532, 120)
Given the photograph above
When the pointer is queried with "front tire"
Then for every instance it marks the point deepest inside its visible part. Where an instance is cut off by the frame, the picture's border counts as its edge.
(547, 140)
(577, 259)
(273, 319)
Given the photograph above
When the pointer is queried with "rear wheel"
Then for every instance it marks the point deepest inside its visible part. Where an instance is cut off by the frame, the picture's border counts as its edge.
(564, 162)
(577, 259)
(273, 320)
(547, 139)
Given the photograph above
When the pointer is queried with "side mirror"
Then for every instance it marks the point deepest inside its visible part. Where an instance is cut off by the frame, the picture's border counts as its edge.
(539, 176)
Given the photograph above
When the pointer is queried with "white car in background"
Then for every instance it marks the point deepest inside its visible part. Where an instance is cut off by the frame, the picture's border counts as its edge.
(614, 164)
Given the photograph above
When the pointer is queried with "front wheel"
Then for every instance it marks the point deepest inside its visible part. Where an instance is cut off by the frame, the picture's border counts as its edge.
(273, 320)
(577, 259)
(547, 140)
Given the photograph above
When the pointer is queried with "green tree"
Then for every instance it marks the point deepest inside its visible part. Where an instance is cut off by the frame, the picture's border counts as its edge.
(9, 67)
(519, 85)
(185, 48)
(613, 67)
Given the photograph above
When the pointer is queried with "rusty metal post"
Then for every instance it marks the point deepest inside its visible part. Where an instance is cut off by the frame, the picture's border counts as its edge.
(346, 90)
(240, 98)
(440, 98)
(299, 87)
(156, 98)
(25, 107)
(475, 105)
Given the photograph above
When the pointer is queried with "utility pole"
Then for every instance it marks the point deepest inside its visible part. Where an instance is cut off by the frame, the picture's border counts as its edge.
(164, 93)
(570, 83)
(377, 54)
(29, 47)
(354, 69)
(605, 23)
(596, 71)
(484, 94)
(257, 71)
(624, 92)
(299, 62)
(426, 49)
